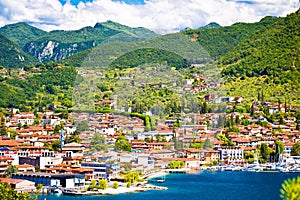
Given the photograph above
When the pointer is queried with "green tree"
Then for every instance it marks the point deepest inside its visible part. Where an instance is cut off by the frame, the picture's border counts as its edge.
(147, 139)
(11, 169)
(122, 144)
(103, 184)
(295, 149)
(115, 185)
(38, 190)
(98, 143)
(127, 167)
(8, 193)
(279, 147)
(207, 144)
(290, 189)
(131, 177)
(92, 185)
(55, 146)
(264, 152)
(176, 164)
(3, 130)
(82, 126)
(73, 138)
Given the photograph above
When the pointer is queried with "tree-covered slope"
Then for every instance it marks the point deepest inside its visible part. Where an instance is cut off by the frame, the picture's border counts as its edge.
(267, 62)
(138, 32)
(220, 40)
(21, 33)
(273, 51)
(60, 44)
(11, 56)
(38, 88)
(162, 46)
(147, 56)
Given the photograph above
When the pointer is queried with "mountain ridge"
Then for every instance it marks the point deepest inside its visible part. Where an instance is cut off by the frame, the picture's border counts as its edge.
(59, 44)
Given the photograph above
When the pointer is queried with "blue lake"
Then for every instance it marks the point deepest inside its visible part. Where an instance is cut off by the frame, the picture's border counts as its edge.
(206, 186)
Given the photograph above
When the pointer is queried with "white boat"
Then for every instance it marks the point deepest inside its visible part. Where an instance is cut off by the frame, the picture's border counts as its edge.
(57, 191)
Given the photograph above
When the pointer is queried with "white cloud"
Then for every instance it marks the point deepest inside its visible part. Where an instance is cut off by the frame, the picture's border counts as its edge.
(159, 15)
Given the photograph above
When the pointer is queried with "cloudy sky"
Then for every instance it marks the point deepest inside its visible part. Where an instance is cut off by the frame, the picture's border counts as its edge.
(161, 16)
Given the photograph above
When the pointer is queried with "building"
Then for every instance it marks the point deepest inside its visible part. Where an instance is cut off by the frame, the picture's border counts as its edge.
(25, 168)
(48, 179)
(4, 163)
(146, 160)
(19, 184)
(231, 154)
(73, 147)
(209, 156)
(102, 170)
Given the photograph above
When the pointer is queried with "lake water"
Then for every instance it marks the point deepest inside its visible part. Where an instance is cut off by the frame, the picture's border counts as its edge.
(206, 186)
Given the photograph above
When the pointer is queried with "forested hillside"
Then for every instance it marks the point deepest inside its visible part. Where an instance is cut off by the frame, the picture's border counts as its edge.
(38, 87)
(59, 44)
(220, 40)
(12, 56)
(272, 51)
(21, 33)
(267, 61)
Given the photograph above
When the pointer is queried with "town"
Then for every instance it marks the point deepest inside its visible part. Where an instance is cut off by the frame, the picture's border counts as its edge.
(86, 148)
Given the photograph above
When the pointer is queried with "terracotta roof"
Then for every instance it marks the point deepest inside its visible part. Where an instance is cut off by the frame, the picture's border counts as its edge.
(187, 159)
(5, 158)
(8, 143)
(24, 166)
(193, 150)
(10, 180)
(249, 148)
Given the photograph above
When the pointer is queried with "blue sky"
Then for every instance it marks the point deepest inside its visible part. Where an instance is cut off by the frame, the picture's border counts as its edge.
(162, 16)
(130, 2)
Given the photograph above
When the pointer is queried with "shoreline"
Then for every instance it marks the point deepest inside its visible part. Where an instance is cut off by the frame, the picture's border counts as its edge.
(112, 191)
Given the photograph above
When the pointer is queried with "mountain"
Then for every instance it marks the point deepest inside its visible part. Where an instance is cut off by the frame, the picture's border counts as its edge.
(138, 32)
(59, 44)
(12, 56)
(21, 33)
(212, 25)
(220, 40)
(209, 43)
(161, 46)
(272, 51)
(267, 62)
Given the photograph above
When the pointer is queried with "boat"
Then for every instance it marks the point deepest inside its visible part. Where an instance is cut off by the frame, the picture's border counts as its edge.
(158, 179)
(57, 191)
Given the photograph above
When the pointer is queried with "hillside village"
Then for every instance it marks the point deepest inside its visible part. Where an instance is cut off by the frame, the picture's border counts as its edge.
(47, 149)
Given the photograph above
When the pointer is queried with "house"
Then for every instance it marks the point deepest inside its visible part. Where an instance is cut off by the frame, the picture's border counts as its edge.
(73, 162)
(126, 158)
(19, 184)
(192, 153)
(4, 163)
(102, 170)
(209, 156)
(49, 179)
(73, 147)
(25, 168)
(8, 143)
(146, 160)
(164, 153)
(231, 154)
(191, 163)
